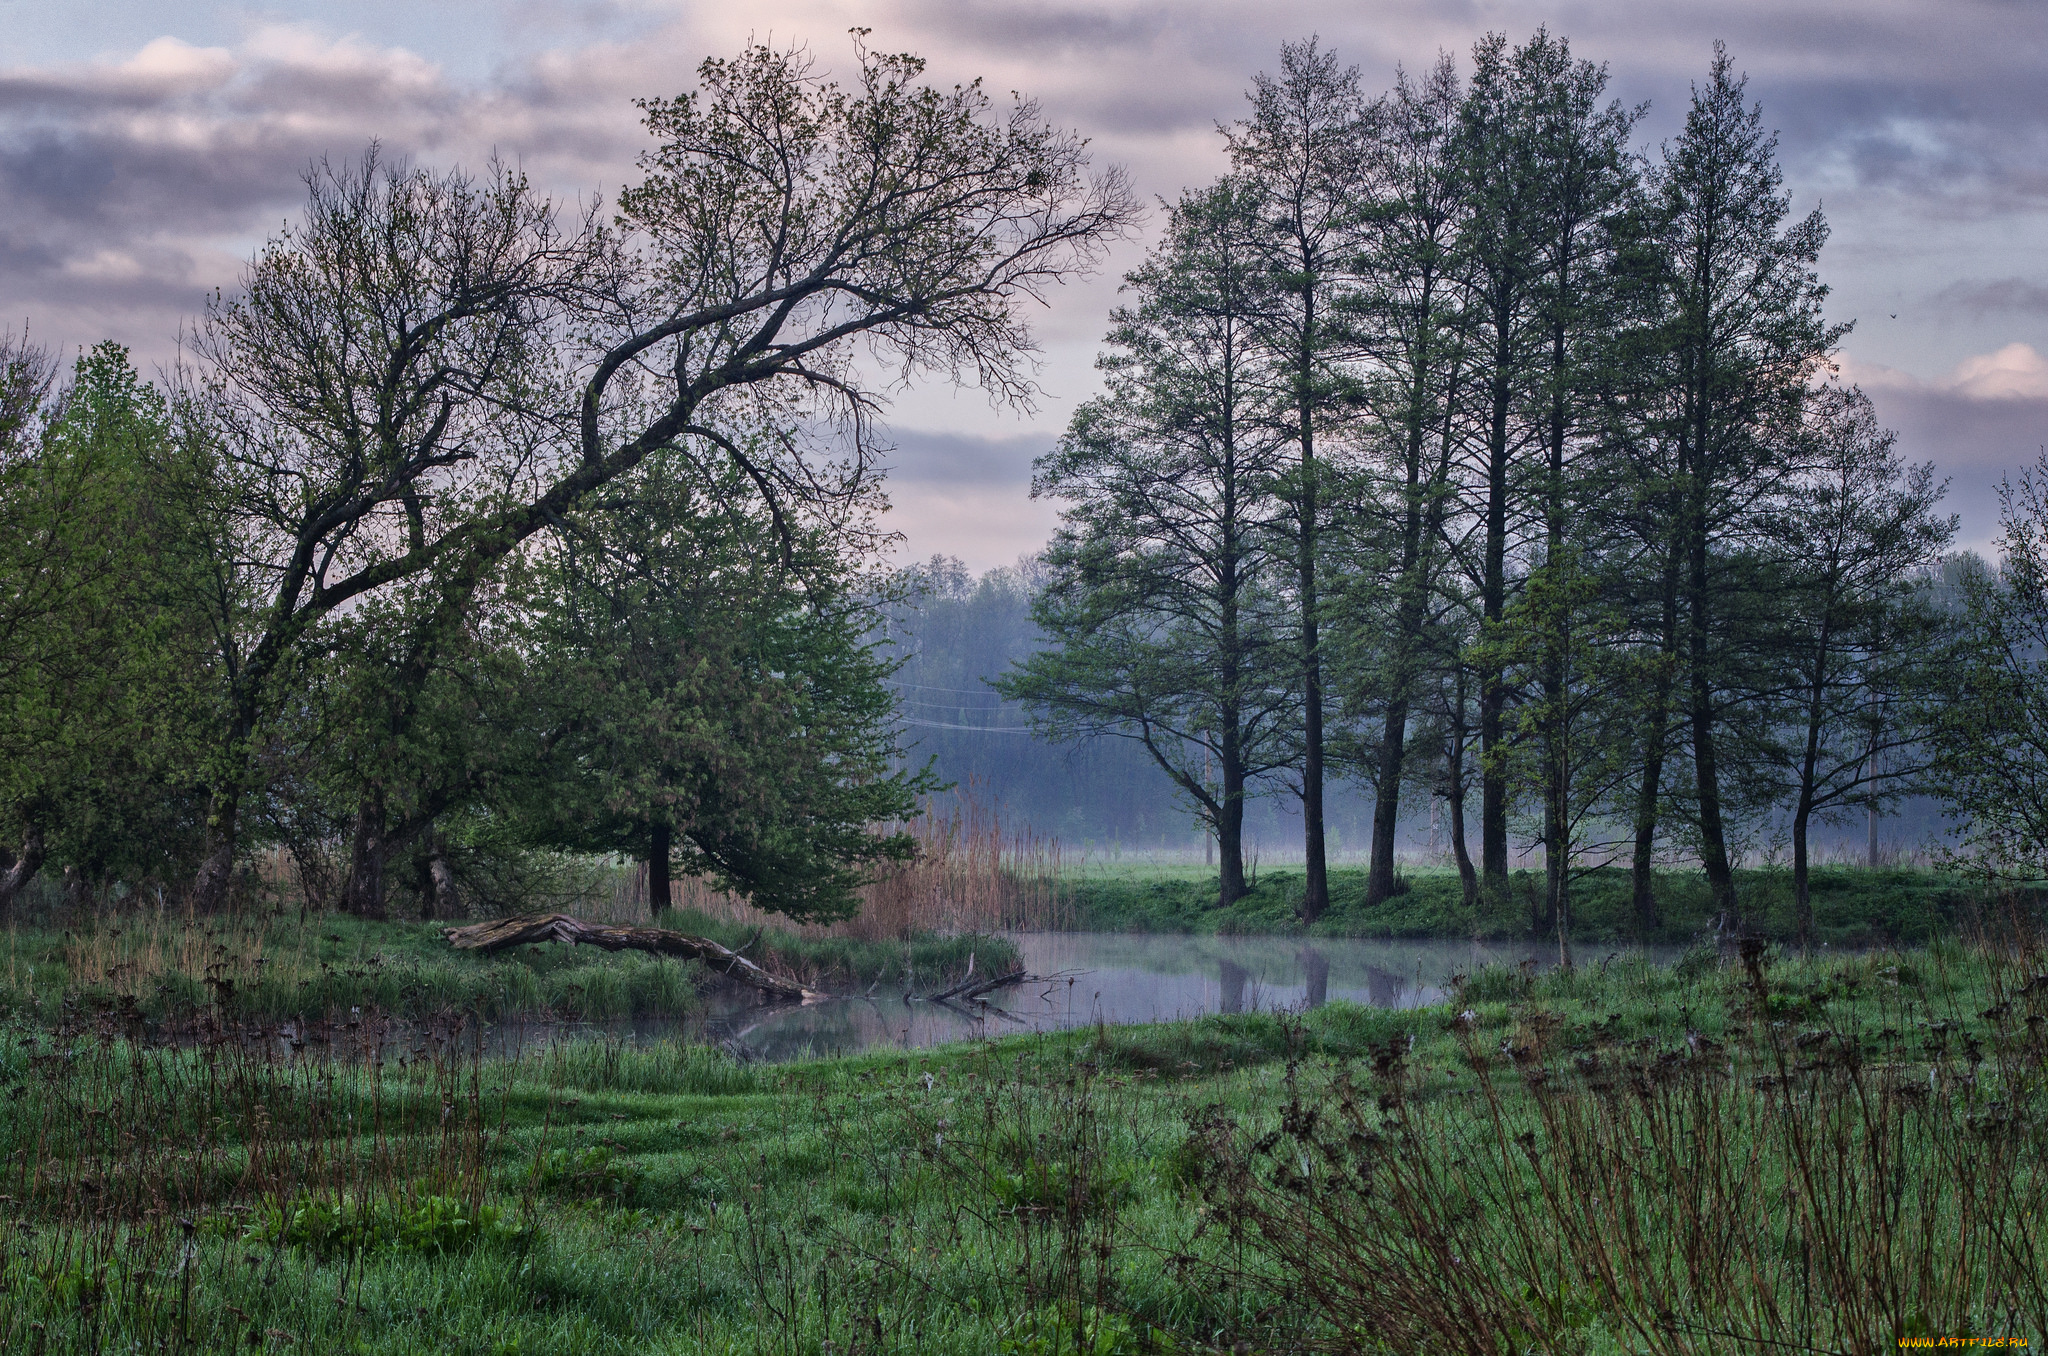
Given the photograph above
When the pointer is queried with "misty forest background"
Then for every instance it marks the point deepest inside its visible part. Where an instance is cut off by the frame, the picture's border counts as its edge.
(1465, 470)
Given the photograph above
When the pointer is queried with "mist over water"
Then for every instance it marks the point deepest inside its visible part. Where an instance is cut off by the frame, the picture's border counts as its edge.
(1117, 979)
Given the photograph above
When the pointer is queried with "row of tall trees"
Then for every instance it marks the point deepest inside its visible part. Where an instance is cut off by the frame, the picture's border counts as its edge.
(1454, 443)
(470, 521)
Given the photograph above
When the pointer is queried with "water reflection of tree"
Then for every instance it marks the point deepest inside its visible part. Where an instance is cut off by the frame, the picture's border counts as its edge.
(851, 1026)
(1383, 988)
(1315, 976)
(1233, 978)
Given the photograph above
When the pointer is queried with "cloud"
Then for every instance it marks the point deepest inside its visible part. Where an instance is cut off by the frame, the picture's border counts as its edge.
(1981, 421)
(968, 495)
(1994, 296)
(963, 459)
(137, 182)
(136, 185)
(2015, 372)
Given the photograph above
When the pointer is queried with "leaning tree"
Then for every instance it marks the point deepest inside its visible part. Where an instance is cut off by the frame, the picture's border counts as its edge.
(429, 369)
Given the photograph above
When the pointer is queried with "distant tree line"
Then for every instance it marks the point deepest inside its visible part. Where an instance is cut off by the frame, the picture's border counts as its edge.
(1454, 444)
(1451, 445)
(953, 633)
(469, 527)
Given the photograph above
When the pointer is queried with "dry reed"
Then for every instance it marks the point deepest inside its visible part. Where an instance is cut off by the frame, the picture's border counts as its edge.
(970, 874)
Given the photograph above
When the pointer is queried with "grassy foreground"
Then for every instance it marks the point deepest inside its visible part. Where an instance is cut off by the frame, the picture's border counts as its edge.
(270, 966)
(1717, 1156)
(1852, 906)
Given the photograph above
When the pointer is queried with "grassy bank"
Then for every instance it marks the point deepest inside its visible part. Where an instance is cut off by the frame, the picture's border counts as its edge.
(1861, 1141)
(1852, 906)
(270, 966)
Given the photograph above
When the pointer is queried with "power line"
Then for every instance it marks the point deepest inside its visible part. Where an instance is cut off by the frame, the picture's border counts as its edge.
(945, 706)
(932, 687)
(978, 729)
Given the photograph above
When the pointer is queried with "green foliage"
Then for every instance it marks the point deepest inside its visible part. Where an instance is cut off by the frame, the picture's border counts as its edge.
(112, 604)
(593, 1172)
(331, 1227)
(713, 697)
(1163, 603)
(1991, 761)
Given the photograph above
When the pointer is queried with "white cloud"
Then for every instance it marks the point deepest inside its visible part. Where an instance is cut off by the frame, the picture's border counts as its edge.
(135, 182)
(2014, 372)
(169, 66)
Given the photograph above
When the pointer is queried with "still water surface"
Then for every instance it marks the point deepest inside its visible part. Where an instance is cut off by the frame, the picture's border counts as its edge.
(1115, 978)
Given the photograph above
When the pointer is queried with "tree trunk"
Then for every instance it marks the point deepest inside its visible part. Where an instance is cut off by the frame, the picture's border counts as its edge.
(1230, 883)
(534, 929)
(1408, 624)
(22, 869)
(1809, 763)
(447, 903)
(1493, 697)
(1553, 860)
(1557, 789)
(1455, 787)
(435, 878)
(1656, 736)
(1315, 895)
(1642, 880)
(1231, 979)
(1802, 897)
(1468, 874)
(1316, 887)
(217, 866)
(1706, 763)
(363, 893)
(1315, 974)
(1386, 803)
(660, 845)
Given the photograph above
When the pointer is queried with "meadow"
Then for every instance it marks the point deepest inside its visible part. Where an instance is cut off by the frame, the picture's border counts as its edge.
(1737, 1152)
(276, 964)
(1854, 906)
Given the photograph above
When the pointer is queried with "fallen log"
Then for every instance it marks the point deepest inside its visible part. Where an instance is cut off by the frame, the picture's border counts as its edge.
(971, 988)
(501, 933)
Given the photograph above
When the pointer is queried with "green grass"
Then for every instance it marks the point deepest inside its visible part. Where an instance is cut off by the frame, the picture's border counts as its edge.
(268, 967)
(1852, 906)
(1042, 1194)
(844, 963)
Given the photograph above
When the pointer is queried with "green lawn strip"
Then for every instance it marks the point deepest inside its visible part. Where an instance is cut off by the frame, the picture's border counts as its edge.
(1852, 906)
(286, 966)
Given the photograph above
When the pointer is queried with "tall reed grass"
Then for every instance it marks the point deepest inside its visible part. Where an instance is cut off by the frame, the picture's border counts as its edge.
(1824, 1178)
(971, 874)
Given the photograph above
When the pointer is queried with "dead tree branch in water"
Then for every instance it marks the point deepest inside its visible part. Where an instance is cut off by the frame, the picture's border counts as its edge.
(502, 933)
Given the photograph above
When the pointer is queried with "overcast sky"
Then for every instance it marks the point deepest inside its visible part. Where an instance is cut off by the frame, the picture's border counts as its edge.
(145, 148)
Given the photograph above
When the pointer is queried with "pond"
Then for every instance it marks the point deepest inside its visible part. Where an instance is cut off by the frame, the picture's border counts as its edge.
(1118, 979)
(1122, 978)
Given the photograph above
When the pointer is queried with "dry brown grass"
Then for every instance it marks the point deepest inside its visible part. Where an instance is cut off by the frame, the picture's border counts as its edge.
(133, 950)
(971, 874)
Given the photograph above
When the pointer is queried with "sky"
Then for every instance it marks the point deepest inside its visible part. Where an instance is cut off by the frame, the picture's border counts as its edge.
(147, 148)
